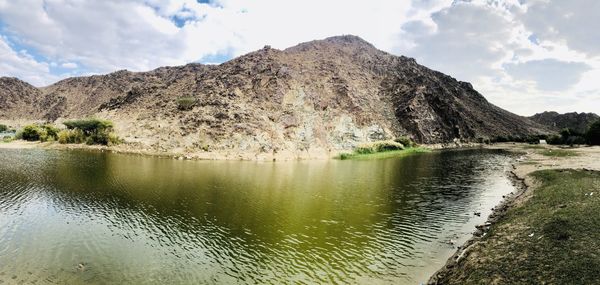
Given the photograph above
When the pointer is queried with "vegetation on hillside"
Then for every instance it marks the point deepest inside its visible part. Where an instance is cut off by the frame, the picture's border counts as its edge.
(186, 103)
(3, 128)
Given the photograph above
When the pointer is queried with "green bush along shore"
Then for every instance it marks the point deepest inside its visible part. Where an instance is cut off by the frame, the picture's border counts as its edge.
(89, 131)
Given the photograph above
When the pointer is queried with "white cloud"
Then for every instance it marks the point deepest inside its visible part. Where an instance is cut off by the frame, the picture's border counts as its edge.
(23, 66)
(549, 74)
(141, 35)
(525, 55)
(465, 41)
(489, 43)
(69, 65)
(576, 22)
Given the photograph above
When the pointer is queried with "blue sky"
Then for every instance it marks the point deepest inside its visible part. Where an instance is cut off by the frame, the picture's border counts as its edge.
(524, 55)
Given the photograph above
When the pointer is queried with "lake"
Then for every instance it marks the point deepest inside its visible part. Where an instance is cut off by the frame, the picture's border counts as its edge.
(76, 217)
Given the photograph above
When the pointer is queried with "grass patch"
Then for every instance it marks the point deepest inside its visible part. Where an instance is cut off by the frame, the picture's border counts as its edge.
(383, 154)
(529, 163)
(533, 146)
(557, 153)
(552, 238)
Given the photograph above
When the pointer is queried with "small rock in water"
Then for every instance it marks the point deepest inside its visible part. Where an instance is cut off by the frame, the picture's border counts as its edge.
(81, 267)
(478, 214)
(531, 235)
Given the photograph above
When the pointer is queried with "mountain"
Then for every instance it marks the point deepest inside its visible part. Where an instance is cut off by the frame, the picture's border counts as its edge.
(578, 122)
(316, 97)
(17, 98)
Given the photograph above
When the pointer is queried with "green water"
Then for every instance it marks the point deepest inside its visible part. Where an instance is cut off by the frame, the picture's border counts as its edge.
(140, 220)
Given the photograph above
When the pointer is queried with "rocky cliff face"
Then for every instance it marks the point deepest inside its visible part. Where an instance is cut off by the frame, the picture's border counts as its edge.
(578, 122)
(316, 97)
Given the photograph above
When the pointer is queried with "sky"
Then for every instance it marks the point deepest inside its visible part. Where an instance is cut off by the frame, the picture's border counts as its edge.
(526, 56)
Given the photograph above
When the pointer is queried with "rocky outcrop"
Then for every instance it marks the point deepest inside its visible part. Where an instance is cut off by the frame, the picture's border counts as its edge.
(316, 97)
(579, 122)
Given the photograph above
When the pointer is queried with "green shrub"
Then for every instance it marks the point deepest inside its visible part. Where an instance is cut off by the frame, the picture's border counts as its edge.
(63, 137)
(51, 131)
(36, 132)
(554, 139)
(3, 128)
(113, 139)
(33, 133)
(593, 134)
(365, 149)
(186, 103)
(91, 131)
(7, 139)
(500, 139)
(405, 141)
(380, 146)
(71, 136)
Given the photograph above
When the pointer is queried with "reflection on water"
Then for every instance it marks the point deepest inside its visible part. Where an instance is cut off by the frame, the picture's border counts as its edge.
(97, 218)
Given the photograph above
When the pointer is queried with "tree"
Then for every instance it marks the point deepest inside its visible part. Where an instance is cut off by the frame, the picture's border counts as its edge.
(593, 134)
(90, 126)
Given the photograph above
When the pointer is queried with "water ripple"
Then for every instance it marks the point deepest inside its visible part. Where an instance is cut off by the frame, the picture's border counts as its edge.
(86, 218)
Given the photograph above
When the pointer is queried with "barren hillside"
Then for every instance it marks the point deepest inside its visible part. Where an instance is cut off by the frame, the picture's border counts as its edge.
(316, 97)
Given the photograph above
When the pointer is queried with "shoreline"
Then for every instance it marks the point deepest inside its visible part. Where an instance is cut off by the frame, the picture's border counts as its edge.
(225, 155)
(530, 161)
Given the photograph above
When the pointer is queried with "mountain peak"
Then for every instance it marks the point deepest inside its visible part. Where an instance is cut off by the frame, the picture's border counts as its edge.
(347, 39)
(335, 42)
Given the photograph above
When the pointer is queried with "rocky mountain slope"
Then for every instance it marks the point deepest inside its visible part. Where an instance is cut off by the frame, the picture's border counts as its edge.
(315, 98)
(578, 122)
